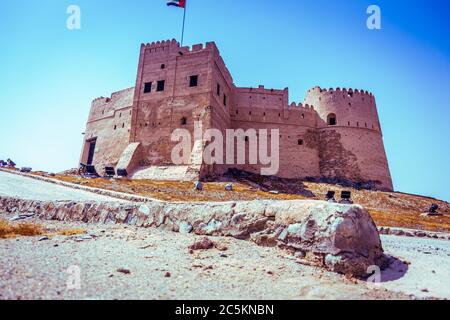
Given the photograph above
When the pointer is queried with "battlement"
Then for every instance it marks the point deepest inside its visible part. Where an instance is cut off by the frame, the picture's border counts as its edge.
(100, 101)
(301, 106)
(161, 44)
(173, 43)
(262, 90)
(350, 92)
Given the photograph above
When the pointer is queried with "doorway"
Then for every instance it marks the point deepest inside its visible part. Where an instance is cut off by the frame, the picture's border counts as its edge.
(91, 152)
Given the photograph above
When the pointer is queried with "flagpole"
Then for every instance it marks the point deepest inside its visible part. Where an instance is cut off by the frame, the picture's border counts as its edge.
(184, 19)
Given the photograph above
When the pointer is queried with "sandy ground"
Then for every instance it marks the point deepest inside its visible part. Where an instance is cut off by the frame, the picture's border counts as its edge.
(12, 185)
(428, 271)
(161, 267)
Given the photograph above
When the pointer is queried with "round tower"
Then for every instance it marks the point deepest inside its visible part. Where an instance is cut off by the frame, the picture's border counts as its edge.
(351, 143)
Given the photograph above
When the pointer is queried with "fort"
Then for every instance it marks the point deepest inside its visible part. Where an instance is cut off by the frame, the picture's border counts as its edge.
(333, 134)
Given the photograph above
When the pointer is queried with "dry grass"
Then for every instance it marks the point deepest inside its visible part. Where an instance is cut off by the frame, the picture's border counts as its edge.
(72, 232)
(8, 230)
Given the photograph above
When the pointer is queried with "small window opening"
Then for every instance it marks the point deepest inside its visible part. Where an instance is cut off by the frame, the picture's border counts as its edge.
(193, 81)
(332, 121)
(300, 142)
(147, 87)
(160, 85)
(183, 121)
(224, 100)
(218, 90)
(163, 66)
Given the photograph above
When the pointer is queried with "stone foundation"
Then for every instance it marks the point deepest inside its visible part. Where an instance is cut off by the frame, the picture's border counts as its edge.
(341, 238)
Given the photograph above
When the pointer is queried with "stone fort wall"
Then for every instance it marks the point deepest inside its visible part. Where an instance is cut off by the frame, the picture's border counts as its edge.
(334, 133)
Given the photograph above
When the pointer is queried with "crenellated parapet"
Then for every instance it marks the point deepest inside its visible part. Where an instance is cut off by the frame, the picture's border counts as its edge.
(106, 106)
(160, 44)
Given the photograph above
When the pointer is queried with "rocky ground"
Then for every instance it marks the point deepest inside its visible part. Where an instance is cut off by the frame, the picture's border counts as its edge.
(119, 262)
(123, 262)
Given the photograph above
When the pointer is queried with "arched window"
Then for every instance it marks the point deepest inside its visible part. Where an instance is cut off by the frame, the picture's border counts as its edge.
(331, 120)
(183, 121)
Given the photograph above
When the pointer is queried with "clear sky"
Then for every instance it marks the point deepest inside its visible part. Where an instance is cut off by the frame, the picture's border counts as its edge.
(49, 74)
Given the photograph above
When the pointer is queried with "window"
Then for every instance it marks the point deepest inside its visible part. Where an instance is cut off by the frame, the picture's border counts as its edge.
(246, 138)
(224, 99)
(193, 81)
(183, 121)
(218, 90)
(300, 142)
(163, 66)
(332, 121)
(160, 85)
(115, 127)
(303, 116)
(147, 87)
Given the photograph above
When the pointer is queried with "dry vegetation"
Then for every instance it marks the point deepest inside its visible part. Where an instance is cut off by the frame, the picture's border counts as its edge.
(72, 232)
(9, 230)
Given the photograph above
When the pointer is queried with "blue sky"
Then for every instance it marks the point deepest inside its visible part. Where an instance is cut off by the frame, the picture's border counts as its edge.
(49, 74)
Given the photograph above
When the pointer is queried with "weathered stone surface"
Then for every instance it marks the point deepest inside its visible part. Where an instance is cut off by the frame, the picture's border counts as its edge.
(342, 238)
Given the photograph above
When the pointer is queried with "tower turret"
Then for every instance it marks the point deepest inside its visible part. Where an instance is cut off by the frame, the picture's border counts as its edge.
(351, 144)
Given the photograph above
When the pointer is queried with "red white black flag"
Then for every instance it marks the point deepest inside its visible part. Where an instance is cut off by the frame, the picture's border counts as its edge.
(177, 3)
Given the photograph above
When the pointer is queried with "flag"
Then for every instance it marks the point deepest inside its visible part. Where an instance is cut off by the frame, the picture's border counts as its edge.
(177, 3)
